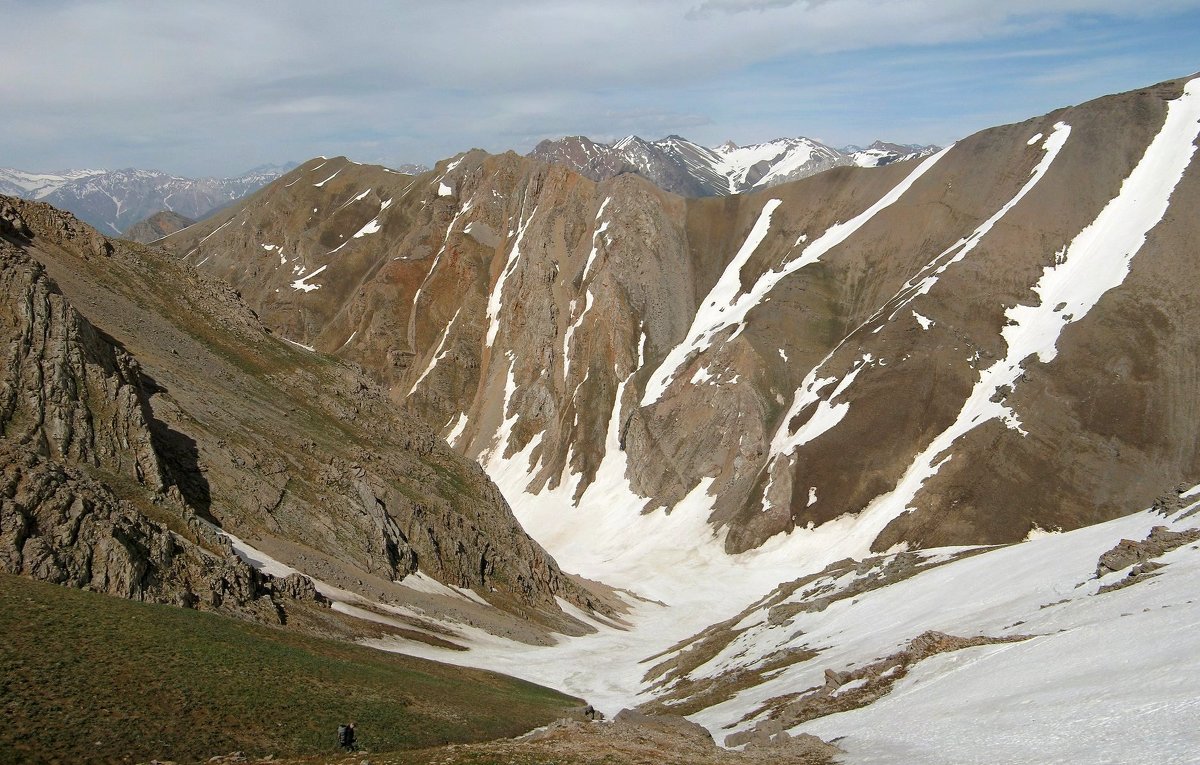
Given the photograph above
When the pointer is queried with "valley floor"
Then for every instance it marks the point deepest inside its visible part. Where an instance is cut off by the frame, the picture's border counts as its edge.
(1103, 668)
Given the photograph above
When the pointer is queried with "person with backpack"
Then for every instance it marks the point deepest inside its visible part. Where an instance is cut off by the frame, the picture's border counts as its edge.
(345, 737)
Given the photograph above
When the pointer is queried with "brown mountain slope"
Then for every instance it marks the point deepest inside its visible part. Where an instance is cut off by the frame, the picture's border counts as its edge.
(218, 422)
(863, 346)
(157, 226)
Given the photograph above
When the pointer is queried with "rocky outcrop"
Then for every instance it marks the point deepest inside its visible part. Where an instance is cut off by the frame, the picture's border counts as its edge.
(75, 419)
(1128, 552)
(667, 723)
(59, 526)
(68, 393)
(637, 738)
(678, 678)
(854, 688)
(11, 222)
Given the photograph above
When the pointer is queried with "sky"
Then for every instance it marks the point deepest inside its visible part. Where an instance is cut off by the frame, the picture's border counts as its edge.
(217, 87)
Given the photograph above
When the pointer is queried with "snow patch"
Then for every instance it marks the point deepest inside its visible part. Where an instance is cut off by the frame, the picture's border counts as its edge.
(600, 229)
(825, 416)
(327, 180)
(302, 282)
(456, 432)
(570, 333)
(308, 348)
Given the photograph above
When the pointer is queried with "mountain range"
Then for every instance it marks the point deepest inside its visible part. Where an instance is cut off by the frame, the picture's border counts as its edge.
(115, 200)
(784, 358)
(903, 456)
(683, 167)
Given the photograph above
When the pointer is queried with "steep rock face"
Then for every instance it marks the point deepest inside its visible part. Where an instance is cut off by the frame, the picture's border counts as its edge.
(68, 394)
(945, 351)
(70, 397)
(239, 429)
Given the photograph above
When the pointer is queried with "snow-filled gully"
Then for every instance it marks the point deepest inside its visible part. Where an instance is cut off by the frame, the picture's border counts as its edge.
(496, 299)
(727, 306)
(1096, 261)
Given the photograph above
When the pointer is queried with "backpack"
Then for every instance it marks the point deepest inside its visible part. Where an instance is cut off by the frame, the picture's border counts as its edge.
(343, 735)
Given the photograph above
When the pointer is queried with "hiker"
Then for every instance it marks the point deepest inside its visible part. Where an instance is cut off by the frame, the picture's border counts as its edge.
(346, 737)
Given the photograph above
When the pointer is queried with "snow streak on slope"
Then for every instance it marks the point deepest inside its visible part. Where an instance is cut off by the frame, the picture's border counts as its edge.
(928, 276)
(327, 180)
(825, 416)
(710, 318)
(785, 441)
(352, 200)
(372, 226)
(438, 354)
(496, 298)
(437, 258)
(1095, 262)
(724, 306)
(569, 335)
(600, 229)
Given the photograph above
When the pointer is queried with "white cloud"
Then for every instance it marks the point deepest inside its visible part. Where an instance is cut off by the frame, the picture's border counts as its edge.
(431, 78)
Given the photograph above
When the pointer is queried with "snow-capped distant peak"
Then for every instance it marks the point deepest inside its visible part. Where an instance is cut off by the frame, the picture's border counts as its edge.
(628, 142)
(38, 185)
(684, 167)
(883, 153)
(115, 200)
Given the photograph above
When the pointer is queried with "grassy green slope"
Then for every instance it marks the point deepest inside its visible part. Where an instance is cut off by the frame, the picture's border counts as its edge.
(89, 678)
